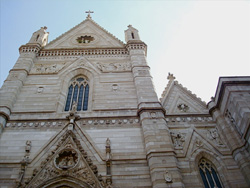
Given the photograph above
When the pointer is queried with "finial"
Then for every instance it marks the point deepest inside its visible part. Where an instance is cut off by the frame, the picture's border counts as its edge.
(129, 25)
(89, 12)
(170, 76)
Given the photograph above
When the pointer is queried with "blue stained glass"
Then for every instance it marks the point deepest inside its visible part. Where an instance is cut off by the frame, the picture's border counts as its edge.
(68, 98)
(74, 95)
(216, 179)
(80, 79)
(210, 179)
(79, 103)
(86, 98)
(204, 178)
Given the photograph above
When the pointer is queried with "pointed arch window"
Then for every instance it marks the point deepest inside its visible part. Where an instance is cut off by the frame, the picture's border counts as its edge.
(78, 93)
(208, 174)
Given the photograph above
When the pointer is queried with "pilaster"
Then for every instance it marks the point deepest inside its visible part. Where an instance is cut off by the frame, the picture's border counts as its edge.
(159, 148)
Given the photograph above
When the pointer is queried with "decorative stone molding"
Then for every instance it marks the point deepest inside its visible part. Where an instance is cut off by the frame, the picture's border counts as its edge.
(33, 124)
(84, 122)
(82, 52)
(114, 67)
(197, 119)
(104, 122)
(214, 136)
(65, 161)
(47, 69)
(29, 48)
(136, 46)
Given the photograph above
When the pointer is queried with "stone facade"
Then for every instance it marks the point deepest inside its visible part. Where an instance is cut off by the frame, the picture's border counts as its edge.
(126, 137)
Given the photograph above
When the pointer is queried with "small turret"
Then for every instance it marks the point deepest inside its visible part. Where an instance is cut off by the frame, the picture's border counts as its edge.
(131, 34)
(40, 37)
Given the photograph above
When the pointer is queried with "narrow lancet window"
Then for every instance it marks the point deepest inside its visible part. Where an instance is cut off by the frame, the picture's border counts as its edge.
(208, 174)
(37, 37)
(78, 93)
(132, 34)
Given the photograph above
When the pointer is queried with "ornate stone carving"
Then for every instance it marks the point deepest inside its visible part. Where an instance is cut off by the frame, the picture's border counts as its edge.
(85, 39)
(114, 67)
(168, 177)
(98, 122)
(115, 87)
(214, 136)
(188, 119)
(178, 139)
(108, 163)
(183, 107)
(153, 115)
(40, 89)
(197, 145)
(28, 146)
(170, 76)
(66, 159)
(47, 69)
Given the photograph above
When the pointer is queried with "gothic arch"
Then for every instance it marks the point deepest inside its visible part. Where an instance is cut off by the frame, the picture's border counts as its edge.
(214, 159)
(64, 182)
(66, 77)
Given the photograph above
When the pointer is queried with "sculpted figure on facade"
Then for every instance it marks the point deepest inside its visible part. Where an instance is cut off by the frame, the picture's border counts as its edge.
(47, 69)
(113, 67)
(178, 139)
(214, 136)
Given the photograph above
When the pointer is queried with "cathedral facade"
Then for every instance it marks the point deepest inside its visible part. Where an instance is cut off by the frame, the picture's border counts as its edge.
(81, 111)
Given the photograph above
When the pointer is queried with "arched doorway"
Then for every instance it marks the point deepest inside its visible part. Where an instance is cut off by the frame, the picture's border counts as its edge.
(64, 182)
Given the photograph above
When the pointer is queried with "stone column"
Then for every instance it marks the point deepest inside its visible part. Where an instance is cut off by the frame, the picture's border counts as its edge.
(15, 80)
(159, 148)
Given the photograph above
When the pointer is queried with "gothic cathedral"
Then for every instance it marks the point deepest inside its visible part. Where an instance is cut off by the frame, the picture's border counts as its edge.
(81, 111)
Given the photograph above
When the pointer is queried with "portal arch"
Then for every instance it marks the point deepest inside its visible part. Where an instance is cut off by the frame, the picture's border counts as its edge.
(64, 182)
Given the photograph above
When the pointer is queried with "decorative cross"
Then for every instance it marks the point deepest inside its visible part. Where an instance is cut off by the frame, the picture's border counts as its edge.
(89, 12)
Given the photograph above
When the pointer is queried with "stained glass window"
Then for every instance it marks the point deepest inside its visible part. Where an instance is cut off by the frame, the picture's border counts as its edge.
(208, 174)
(78, 93)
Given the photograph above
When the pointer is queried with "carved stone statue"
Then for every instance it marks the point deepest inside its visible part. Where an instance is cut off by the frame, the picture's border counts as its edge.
(66, 159)
(178, 139)
(214, 136)
(28, 146)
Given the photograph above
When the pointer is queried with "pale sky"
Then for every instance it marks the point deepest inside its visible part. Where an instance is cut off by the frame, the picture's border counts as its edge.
(198, 41)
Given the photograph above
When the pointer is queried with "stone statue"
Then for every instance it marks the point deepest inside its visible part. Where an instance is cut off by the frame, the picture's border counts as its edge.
(28, 146)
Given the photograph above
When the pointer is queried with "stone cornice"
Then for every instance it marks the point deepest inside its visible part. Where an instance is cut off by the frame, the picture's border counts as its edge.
(135, 45)
(29, 48)
(82, 51)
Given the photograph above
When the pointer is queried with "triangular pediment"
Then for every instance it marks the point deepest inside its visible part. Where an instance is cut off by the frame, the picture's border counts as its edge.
(87, 34)
(67, 161)
(178, 100)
